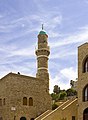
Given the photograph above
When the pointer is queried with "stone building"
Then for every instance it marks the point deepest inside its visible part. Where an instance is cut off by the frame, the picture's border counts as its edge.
(24, 97)
(77, 108)
(27, 98)
(83, 82)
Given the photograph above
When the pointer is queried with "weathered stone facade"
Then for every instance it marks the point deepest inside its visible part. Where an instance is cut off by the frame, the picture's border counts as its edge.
(76, 109)
(82, 80)
(24, 97)
(17, 89)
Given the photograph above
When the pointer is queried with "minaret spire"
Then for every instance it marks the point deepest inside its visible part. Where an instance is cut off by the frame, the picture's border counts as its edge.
(42, 26)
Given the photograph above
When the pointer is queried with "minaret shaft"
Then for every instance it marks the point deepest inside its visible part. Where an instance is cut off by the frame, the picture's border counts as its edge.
(42, 53)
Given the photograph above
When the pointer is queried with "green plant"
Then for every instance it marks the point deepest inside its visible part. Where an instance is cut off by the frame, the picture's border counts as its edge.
(62, 95)
(54, 106)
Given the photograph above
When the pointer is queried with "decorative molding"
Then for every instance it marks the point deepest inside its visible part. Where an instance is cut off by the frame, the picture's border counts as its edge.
(42, 68)
(42, 56)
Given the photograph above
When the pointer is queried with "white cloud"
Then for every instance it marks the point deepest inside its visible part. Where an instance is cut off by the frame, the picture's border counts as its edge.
(63, 53)
(62, 79)
(57, 81)
(54, 34)
(23, 52)
(1, 16)
(69, 73)
(83, 28)
(78, 37)
(53, 81)
(86, 1)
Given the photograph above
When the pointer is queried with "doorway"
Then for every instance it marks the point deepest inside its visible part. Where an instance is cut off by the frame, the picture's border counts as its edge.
(22, 118)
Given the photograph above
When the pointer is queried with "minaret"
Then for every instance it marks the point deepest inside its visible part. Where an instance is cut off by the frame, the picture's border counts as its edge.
(42, 53)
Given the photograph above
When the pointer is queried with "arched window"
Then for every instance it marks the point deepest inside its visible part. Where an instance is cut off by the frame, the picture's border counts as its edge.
(0, 102)
(85, 65)
(85, 93)
(30, 101)
(24, 101)
(85, 114)
(4, 101)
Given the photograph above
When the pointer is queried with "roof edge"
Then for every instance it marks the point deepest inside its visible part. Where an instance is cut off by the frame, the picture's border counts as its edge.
(83, 44)
(18, 75)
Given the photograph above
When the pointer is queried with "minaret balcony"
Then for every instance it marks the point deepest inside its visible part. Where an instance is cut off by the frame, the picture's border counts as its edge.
(42, 51)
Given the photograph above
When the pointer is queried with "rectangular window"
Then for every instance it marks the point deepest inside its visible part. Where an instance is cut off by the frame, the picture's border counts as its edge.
(73, 117)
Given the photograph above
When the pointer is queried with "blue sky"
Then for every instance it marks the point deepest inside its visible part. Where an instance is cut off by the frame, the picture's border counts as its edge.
(66, 23)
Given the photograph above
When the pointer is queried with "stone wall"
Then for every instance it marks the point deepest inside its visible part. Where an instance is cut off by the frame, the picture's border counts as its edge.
(14, 87)
(82, 79)
(65, 111)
